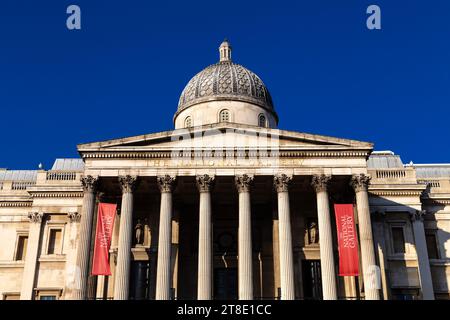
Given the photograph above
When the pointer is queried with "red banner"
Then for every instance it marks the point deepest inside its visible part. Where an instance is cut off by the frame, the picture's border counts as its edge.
(103, 234)
(347, 240)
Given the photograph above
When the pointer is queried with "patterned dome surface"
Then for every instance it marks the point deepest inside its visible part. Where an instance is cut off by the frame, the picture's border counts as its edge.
(225, 81)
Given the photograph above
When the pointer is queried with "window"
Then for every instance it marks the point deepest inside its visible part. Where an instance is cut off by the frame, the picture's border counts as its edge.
(262, 120)
(224, 116)
(405, 294)
(47, 293)
(433, 252)
(21, 250)
(398, 240)
(54, 241)
(188, 122)
(11, 296)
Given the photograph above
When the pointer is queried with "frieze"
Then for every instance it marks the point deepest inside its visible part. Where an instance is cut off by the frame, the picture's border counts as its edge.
(50, 194)
(436, 201)
(398, 193)
(211, 154)
(16, 204)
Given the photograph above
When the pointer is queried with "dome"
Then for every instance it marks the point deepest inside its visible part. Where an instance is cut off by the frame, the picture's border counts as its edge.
(227, 81)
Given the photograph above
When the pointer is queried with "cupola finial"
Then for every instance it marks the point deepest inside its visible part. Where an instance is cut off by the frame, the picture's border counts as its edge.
(225, 51)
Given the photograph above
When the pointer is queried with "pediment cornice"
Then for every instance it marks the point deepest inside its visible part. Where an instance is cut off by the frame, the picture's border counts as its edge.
(287, 143)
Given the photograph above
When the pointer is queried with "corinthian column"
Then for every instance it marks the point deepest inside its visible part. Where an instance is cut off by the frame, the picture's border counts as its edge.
(245, 253)
(422, 255)
(204, 289)
(29, 270)
(81, 271)
(329, 289)
(74, 218)
(121, 283)
(371, 273)
(281, 183)
(163, 280)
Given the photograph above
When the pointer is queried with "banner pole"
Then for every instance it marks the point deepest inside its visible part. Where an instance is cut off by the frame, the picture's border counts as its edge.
(92, 280)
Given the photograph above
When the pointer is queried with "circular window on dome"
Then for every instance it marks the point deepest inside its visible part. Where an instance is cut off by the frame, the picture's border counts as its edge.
(262, 120)
(188, 122)
(224, 116)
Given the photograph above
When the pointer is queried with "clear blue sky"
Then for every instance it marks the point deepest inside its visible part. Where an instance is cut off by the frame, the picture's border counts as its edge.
(122, 74)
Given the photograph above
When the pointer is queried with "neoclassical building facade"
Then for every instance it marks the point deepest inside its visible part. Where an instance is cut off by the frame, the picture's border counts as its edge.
(226, 206)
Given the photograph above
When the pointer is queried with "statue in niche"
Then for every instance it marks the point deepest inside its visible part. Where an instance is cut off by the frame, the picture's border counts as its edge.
(313, 232)
(139, 232)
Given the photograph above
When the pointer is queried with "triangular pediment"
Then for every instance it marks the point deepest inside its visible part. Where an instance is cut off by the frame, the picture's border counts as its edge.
(227, 136)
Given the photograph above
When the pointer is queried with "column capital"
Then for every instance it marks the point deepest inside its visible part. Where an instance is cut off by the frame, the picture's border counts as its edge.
(243, 182)
(35, 217)
(205, 182)
(360, 182)
(417, 215)
(320, 182)
(89, 183)
(74, 216)
(128, 183)
(166, 183)
(281, 182)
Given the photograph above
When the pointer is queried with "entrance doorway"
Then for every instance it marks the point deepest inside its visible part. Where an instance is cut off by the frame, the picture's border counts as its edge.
(139, 280)
(225, 284)
(312, 282)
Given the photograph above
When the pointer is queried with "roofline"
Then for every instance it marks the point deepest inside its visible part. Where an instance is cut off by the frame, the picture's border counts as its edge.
(220, 125)
(429, 165)
(384, 153)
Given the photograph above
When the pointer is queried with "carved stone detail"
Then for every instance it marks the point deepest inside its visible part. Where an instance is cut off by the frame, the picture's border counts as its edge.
(89, 183)
(205, 182)
(139, 232)
(360, 182)
(74, 216)
(128, 183)
(35, 217)
(281, 182)
(166, 183)
(418, 215)
(244, 182)
(320, 182)
(225, 79)
(312, 231)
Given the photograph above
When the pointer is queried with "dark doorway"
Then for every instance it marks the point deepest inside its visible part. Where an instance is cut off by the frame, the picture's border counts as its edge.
(139, 284)
(225, 284)
(312, 282)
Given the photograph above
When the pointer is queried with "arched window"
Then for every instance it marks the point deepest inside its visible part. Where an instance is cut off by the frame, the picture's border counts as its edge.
(188, 122)
(224, 116)
(262, 120)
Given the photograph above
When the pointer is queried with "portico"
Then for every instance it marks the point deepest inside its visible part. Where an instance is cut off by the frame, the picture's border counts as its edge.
(230, 211)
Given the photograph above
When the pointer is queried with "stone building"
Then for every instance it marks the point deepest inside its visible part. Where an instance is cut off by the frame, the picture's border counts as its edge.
(226, 206)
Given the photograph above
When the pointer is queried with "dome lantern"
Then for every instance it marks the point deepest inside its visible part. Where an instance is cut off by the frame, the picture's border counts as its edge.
(225, 51)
